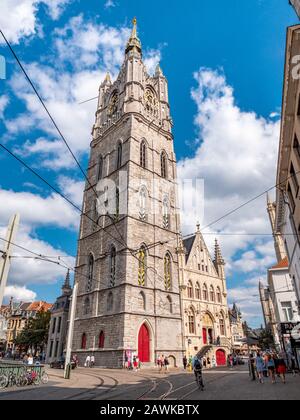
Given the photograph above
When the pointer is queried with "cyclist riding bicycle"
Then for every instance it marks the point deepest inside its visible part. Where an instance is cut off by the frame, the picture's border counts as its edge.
(197, 365)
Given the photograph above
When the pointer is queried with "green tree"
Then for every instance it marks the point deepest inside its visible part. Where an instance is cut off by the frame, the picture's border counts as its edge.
(35, 334)
(266, 339)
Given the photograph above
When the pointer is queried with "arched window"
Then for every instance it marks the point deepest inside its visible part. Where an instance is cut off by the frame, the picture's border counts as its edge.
(192, 326)
(89, 283)
(205, 292)
(143, 203)
(167, 272)
(119, 157)
(113, 258)
(190, 290)
(83, 341)
(101, 340)
(143, 154)
(142, 267)
(170, 304)
(222, 325)
(117, 213)
(219, 296)
(166, 217)
(87, 306)
(198, 291)
(212, 294)
(142, 301)
(110, 302)
(100, 168)
(163, 164)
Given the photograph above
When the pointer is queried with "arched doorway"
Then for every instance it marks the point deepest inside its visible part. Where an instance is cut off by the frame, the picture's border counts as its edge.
(221, 357)
(144, 344)
(172, 361)
(208, 335)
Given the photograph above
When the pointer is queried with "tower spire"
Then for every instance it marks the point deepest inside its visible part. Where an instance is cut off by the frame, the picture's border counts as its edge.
(66, 288)
(219, 260)
(134, 44)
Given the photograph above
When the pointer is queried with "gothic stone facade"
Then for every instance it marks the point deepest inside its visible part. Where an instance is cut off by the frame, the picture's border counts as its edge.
(127, 264)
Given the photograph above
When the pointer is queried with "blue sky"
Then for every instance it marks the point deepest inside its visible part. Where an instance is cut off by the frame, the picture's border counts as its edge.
(224, 63)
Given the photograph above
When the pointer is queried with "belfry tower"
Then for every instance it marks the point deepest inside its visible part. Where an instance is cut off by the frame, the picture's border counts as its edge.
(127, 264)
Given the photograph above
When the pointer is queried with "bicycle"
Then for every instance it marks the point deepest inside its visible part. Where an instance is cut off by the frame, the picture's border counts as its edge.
(199, 379)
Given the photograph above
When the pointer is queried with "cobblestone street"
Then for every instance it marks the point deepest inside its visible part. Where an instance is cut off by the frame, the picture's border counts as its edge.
(96, 384)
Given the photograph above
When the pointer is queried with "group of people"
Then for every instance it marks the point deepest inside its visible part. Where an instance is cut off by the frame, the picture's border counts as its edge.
(89, 362)
(270, 365)
(132, 363)
(163, 363)
(207, 362)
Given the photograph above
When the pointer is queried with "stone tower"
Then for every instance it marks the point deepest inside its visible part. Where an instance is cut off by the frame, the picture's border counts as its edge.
(278, 240)
(127, 264)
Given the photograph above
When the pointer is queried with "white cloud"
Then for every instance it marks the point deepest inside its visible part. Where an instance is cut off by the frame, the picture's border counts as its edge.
(37, 211)
(109, 4)
(18, 18)
(236, 155)
(88, 51)
(4, 101)
(20, 294)
(247, 299)
(72, 189)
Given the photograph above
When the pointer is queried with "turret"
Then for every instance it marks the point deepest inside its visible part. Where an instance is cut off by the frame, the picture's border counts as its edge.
(66, 287)
(219, 264)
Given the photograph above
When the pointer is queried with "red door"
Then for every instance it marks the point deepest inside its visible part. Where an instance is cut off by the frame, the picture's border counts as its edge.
(204, 335)
(221, 358)
(144, 345)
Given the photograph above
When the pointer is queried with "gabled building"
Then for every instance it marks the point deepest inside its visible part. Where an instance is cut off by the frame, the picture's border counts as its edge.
(59, 323)
(206, 323)
(238, 335)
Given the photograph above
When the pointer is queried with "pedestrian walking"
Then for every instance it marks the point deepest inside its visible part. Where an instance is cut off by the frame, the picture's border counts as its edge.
(272, 368)
(135, 363)
(126, 361)
(293, 365)
(204, 362)
(87, 363)
(252, 367)
(166, 364)
(213, 362)
(208, 363)
(162, 363)
(281, 369)
(260, 367)
(231, 361)
(92, 361)
(184, 361)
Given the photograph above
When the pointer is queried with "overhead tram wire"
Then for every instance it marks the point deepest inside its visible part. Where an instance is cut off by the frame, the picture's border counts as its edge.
(55, 124)
(131, 251)
(88, 100)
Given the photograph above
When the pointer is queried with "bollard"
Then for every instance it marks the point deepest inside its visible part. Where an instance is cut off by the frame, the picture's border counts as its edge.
(67, 373)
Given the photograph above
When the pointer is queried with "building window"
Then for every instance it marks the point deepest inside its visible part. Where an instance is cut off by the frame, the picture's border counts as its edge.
(198, 292)
(56, 349)
(166, 217)
(142, 267)
(143, 203)
(192, 329)
(170, 304)
(190, 290)
(119, 157)
(287, 311)
(222, 326)
(53, 325)
(212, 294)
(219, 297)
(143, 154)
(163, 164)
(90, 273)
(205, 293)
(167, 272)
(100, 169)
(110, 302)
(51, 348)
(101, 340)
(113, 257)
(59, 325)
(296, 146)
(142, 302)
(86, 306)
(291, 198)
(117, 212)
(294, 179)
(83, 341)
